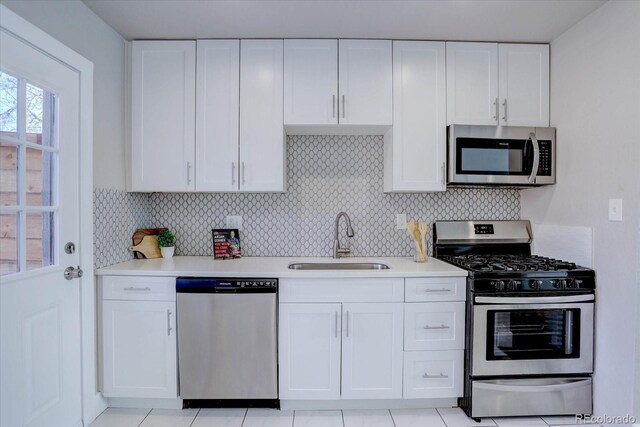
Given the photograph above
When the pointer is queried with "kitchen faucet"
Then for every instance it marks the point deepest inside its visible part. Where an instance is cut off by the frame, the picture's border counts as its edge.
(337, 250)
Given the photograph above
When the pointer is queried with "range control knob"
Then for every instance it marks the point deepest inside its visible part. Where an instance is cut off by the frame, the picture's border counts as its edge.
(513, 285)
(498, 285)
(559, 284)
(535, 284)
(571, 283)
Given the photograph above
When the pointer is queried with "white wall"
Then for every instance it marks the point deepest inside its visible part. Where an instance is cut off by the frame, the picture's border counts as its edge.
(75, 25)
(595, 106)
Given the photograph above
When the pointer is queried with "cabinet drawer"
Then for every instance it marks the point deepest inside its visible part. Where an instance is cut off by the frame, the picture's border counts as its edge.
(436, 289)
(434, 326)
(342, 290)
(433, 374)
(139, 288)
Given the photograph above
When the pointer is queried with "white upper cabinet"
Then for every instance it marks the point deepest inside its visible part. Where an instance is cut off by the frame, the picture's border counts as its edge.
(365, 82)
(310, 82)
(497, 84)
(415, 149)
(163, 78)
(524, 84)
(217, 115)
(472, 83)
(262, 139)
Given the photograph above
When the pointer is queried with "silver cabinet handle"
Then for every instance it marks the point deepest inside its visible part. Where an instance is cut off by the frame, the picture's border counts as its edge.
(131, 288)
(188, 173)
(233, 173)
(504, 104)
(168, 322)
(436, 327)
(73, 273)
(495, 107)
(343, 107)
(243, 177)
(443, 172)
(437, 290)
(536, 158)
(336, 324)
(440, 375)
(347, 323)
(334, 105)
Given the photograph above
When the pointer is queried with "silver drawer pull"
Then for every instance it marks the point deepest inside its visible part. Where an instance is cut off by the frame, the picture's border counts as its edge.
(131, 288)
(437, 327)
(438, 290)
(169, 328)
(440, 375)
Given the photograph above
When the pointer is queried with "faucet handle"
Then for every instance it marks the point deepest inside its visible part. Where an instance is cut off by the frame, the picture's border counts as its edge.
(343, 251)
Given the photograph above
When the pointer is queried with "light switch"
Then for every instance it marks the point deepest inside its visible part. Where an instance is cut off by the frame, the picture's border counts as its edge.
(615, 209)
(234, 221)
(401, 221)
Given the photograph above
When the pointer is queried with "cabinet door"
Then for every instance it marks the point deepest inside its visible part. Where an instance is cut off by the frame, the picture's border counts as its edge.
(417, 146)
(309, 351)
(163, 78)
(524, 84)
(365, 83)
(217, 115)
(262, 143)
(139, 349)
(372, 350)
(310, 82)
(472, 83)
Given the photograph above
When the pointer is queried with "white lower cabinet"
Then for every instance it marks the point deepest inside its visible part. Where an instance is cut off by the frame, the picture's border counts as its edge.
(433, 374)
(434, 326)
(138, 346)
(309, 351)
(372, 350)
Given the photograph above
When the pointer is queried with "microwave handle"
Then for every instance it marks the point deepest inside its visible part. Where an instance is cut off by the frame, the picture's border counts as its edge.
(536, 158)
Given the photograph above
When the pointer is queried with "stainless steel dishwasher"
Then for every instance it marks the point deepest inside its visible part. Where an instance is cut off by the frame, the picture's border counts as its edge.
(227, 341)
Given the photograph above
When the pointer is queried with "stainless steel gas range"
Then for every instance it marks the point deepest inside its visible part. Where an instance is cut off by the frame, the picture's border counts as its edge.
(529, 337)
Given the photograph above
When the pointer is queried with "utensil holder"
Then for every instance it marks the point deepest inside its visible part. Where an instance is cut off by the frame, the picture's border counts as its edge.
(419, 256)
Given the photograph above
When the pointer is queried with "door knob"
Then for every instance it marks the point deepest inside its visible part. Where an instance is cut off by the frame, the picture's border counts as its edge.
(72, 273)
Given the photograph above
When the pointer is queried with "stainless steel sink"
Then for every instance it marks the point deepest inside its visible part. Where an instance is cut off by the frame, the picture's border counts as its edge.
(338, 266)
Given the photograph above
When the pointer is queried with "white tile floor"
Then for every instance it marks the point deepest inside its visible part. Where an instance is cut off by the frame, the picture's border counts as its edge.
(441, 417)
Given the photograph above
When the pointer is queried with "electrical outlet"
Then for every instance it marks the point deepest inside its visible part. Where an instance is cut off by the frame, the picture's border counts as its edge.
(234, 221)
(615, 209)
(401, 221)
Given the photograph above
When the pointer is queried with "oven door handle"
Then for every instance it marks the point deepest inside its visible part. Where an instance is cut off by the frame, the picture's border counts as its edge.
(534, 300)
(536, 157)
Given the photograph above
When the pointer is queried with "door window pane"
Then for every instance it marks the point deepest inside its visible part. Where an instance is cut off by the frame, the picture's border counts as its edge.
(39, 117)
(40, 173)
(8, 174)
(40, 239)
(8, 243)
(8, 105)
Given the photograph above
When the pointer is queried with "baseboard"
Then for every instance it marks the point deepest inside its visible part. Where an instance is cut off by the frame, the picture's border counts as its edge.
(121, 402)
(368, 404)
(92, 406)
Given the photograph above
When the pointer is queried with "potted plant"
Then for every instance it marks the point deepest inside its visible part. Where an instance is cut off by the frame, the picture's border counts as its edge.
(166, 241)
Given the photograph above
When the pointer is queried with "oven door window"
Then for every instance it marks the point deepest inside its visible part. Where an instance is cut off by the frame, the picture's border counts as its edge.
(533, 334)
(482, 156)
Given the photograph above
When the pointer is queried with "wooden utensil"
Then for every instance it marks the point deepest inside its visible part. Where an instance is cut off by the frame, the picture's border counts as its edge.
(422, 226)
(414, 232)
(148, 247)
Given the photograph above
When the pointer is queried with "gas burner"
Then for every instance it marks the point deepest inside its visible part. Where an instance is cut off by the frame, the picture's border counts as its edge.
(506, 262)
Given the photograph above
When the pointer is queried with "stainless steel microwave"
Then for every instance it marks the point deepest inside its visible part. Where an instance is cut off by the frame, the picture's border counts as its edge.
(501, 155)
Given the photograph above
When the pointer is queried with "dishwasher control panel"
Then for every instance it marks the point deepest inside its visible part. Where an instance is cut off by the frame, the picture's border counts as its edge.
(215, 285)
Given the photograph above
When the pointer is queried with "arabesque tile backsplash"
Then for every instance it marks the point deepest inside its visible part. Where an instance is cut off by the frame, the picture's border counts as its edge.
(325, 175)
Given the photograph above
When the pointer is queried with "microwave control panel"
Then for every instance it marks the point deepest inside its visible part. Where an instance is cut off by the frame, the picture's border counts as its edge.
(546, 160)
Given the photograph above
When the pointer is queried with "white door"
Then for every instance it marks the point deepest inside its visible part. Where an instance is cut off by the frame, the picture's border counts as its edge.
(365, 83)
(524, 84)
(217, 115)
(418, 144)
(40, 353)
(372, 350)
(163, 99)
(472, 83)
(262, 139)
(139, 349)
(310, 82)
(309, 353)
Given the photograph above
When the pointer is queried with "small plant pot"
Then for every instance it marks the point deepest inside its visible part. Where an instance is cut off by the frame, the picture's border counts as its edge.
(168, 251)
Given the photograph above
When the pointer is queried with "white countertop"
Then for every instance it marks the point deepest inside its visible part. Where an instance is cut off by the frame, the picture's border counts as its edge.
(276, 267)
